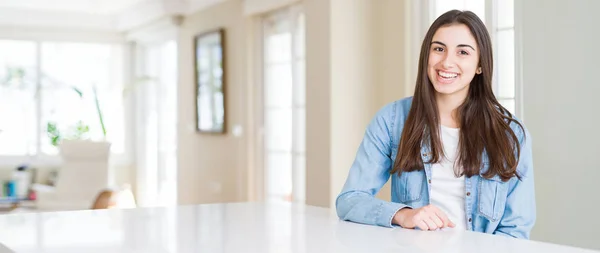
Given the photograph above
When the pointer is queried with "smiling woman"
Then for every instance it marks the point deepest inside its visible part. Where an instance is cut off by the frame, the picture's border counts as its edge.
(457, 157)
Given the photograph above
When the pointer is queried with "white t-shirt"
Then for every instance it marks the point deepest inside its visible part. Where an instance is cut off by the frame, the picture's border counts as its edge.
(448, 191)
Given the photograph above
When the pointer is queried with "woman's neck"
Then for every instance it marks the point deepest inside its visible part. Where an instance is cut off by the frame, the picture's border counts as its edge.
(447, 108)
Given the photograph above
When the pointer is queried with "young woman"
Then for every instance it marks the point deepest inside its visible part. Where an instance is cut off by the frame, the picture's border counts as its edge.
(457, 158)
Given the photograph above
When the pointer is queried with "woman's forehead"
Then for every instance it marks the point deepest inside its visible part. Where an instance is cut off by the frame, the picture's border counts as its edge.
(455, 34)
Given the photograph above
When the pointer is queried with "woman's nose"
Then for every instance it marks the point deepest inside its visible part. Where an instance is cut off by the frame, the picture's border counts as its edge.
(448, 61)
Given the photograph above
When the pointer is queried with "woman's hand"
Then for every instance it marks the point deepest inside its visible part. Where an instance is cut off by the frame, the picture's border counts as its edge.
(426, 218)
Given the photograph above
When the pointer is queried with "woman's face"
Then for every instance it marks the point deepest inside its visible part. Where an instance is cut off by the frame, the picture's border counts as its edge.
(453, 60)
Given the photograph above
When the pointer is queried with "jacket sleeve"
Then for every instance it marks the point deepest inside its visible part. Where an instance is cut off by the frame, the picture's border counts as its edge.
(368, 173)
(520, 211)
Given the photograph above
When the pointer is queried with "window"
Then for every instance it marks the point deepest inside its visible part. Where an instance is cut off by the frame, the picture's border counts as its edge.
(156, 123)
(284, 106)
(18, 110)
(66, 85)
(504, 37)
(499, 18)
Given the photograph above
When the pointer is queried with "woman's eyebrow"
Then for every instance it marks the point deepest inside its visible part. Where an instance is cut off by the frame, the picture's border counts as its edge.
(437, 42)
(465, 45)
(460, 45)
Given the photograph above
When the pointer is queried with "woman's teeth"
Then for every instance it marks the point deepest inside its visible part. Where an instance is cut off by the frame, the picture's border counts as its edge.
(447, 75)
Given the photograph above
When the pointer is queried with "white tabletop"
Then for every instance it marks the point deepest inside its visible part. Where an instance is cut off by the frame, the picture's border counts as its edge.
(238, 227)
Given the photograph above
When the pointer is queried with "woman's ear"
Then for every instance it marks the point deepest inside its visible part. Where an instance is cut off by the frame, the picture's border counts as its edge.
(478, 71)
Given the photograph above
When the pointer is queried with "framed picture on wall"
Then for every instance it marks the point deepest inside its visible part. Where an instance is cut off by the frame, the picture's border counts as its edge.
(209, 70)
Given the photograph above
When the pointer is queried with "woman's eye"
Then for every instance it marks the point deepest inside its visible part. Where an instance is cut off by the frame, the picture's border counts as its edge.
(438, 49)
(463, 52)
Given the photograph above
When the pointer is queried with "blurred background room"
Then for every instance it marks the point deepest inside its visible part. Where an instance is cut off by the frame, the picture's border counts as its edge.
(145, 103)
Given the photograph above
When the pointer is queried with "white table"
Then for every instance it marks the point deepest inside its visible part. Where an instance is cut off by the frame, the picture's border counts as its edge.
(238, 227)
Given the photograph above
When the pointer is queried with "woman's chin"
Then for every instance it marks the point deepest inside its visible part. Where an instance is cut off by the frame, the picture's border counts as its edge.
(446, 89)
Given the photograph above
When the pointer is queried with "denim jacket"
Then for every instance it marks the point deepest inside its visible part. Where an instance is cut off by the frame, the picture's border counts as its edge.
(491, 205)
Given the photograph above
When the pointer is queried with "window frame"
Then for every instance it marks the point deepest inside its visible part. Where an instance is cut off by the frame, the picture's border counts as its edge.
(261, 180)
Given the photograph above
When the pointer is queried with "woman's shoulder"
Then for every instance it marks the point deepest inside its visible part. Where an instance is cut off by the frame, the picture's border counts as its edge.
(392, 117)
(395, 109)
(519, 129)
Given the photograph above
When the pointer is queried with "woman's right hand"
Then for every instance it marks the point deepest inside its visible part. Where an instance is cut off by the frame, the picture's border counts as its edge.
(425, 218)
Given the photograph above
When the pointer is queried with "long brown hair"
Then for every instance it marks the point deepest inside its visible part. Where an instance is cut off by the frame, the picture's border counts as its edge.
(484, 122)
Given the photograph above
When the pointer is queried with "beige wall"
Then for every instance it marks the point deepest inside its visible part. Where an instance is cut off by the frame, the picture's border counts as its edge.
(391, 32)
(212, 168)
(353, 84)
(355, 65)
(318, 106)
(560, 102)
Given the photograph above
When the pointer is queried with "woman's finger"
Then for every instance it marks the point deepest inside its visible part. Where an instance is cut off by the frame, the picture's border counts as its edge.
(422, 225)
(437, 220)
(451, 224)
(441, 215)
(430, 223)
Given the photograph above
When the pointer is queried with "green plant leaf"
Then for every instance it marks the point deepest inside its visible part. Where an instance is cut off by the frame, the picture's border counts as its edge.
(53, 133)
(99, 111)
(78, 91)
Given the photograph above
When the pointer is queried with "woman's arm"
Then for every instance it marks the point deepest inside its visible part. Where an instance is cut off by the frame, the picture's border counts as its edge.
(368, 173)
(520, 211)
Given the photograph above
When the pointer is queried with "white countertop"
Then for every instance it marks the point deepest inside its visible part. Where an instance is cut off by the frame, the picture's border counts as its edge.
(236, 227)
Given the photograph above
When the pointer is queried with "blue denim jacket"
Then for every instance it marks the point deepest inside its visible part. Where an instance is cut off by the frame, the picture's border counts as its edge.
(491, 205)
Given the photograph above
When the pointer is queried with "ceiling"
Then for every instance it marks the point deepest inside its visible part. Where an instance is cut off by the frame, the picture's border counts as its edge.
(103, 7)
(92, 15)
